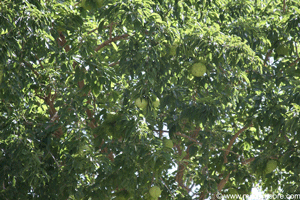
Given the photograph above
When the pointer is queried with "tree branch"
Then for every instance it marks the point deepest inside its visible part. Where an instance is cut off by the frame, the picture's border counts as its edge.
(114, 63)
(62, 42)
(188, 137)
(295, 62)
(223, 182)
(34, 71)
(245, 162)
(180, 170)
(268, 56)
(232, 141)
(107, 42)
(167, 188)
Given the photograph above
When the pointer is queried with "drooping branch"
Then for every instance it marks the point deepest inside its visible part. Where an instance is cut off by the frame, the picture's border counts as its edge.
(232, 141)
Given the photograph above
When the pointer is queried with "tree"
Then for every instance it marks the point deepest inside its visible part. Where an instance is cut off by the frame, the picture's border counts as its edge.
(71, 72)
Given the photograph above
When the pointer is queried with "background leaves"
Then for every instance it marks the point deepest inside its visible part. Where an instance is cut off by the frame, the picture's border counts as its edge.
(71, 71)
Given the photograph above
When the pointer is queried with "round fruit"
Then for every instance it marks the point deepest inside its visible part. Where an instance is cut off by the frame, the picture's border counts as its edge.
(198, 69)
(112, 117)
(168, 143)
(106, 128)
(282, 50)
(99, 3)
(271, 166)
(86, 5)
(156, 103)
(183, 154)
(233, 192)
(141, 103)
(155, 191)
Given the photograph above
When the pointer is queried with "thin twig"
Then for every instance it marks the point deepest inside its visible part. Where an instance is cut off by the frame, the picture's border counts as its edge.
(54, 159)
(188, 137)
(245, 162)
(296, 50)
(114, 63)
(167, 188)
(107, 42)
(295, 62)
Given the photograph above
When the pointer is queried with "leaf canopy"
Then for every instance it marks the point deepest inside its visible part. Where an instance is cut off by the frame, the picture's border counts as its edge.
(70, 72)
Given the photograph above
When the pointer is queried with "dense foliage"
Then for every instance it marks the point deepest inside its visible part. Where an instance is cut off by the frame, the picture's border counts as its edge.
(92, 90)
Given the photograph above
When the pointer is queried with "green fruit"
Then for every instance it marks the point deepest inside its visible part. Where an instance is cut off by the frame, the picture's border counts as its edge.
(99, 3)
(232, 192)
(282, 50)
(107, 130)
(155, 191)
(110, 126)
(168, 143)
(198, 69)
(86, 5)
(141, 103)
(156, 102)
(183, 154)
(271, 166)
(112, 117)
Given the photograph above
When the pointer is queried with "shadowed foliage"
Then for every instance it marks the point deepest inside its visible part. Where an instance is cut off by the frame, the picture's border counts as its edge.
(71, 72)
